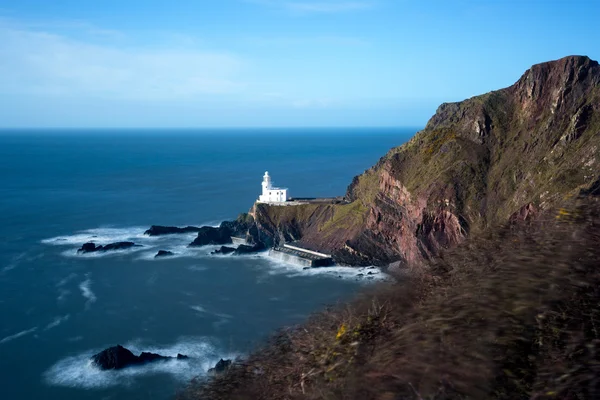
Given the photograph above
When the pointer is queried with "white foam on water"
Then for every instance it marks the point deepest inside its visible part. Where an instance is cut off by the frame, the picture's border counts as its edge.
(62, 295)
(203, 310)
(197, 268)
(103, 236)
(16, 260)
(200, 309)
(100, 236)
(79, 372)
(98, 254)
(277, 267)
(87, 292)
(221, 318)
(9, 267)
(18, 335)
(179, 250)
(66, 280)
(57, 321)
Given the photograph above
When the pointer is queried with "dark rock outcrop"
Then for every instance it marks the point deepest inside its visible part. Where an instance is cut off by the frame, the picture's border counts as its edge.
(245, 249)
(156, 230)
(118, 357)
(220, 367)
(91, 247)
(164, 253)
(224, 250)
(208, 235)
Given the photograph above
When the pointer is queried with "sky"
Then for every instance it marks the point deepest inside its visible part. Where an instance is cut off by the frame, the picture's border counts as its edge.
(270, 63)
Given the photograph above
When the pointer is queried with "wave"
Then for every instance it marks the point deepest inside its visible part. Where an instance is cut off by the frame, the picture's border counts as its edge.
(105, 235)
(62, 295)
(57, 321)
(197, 268)
(66, 280)
(16, 260)
(362, 274)
(78, 371)
(98, 254)
(177, 243)
(202, 310)
(220, 319)
(87, 292)
(278, 267)
(179, 250)
(99, 236)
(18, 335)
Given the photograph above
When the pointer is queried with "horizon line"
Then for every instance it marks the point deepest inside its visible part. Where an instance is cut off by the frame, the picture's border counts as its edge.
(208, 128)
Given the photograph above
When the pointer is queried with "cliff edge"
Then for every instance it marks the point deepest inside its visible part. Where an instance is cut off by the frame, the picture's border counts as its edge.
(499, 157)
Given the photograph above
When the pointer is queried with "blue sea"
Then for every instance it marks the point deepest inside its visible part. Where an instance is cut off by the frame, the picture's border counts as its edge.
(60, 189)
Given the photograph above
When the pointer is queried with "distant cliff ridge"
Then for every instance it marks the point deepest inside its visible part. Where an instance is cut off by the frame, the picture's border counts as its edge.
(499, 157)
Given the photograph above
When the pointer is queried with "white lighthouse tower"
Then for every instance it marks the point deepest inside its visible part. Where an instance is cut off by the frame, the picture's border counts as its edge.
(272, 194)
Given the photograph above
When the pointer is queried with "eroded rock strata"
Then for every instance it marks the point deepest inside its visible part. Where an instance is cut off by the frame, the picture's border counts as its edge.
(488, 160)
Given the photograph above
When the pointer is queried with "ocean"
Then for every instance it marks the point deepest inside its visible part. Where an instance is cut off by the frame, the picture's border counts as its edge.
(60, 189)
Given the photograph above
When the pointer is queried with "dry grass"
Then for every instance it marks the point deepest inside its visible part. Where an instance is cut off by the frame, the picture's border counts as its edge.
(512, 315)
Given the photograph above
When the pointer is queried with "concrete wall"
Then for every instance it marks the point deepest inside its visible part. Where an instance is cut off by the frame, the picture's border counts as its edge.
(238, 240)
(289, 246)
(290, 258)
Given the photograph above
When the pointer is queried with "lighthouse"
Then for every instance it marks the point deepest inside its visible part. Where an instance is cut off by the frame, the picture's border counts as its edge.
(272, 194)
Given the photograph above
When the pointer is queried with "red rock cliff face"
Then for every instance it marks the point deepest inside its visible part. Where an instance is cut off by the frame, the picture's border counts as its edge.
(479, 162)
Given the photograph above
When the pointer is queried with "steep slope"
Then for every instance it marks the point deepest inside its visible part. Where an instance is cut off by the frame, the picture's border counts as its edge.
(508, 314)
(511, 152)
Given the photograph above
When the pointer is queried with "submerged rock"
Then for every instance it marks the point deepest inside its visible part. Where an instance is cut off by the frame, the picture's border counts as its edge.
(220, 367)
(157, 230)
(224, 250)
(118, 357)
(164, 253)
(91, 247)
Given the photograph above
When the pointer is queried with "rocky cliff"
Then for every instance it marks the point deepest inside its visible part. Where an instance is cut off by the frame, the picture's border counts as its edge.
(499, 157)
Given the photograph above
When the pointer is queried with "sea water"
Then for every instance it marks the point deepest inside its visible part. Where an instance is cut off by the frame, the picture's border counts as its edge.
(60, 189)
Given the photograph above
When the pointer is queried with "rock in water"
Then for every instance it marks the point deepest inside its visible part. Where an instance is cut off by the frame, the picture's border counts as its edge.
(220, 367)
(211, 235)
(245, 249)
(224, 250)
(119, 246)
(118, 357)
(149, 357)
(87, 248)
(156, 230)
(91, 247)
(164, 253)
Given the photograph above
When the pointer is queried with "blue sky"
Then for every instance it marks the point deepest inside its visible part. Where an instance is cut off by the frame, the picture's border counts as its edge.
(262, 63)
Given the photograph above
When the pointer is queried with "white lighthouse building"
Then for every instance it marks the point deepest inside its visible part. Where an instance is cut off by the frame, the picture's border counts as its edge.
(272, 194)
